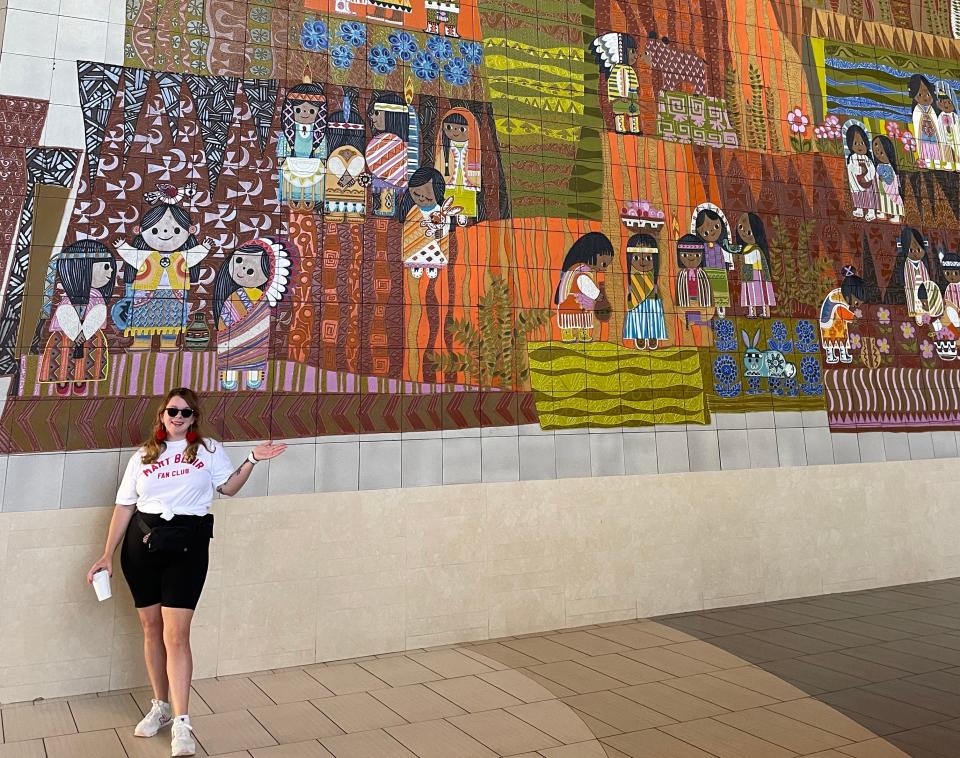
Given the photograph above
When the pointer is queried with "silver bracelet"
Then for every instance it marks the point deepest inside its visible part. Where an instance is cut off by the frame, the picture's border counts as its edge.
(252, 458)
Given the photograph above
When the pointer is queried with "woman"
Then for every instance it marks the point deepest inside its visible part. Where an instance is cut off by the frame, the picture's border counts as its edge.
(458, 159)
(76, 351)
(645, 325)
(925, 121)
(161, 264)
(861, 171)
(427, 220)
(710, 225)
(580, 289)
(302, 146)
(345, 193)
(756, 289)
(162, 518)
(387, 152)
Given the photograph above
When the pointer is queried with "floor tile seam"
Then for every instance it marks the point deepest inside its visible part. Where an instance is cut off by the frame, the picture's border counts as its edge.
(642, 663)
(433, 691)
(339, 694)
(728, 726)
(660, 729)
(531, 655)
(789, 718)
(593, 671)
(477, 739)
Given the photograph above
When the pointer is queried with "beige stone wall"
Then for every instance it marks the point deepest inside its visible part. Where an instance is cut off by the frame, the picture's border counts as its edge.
(318, 577)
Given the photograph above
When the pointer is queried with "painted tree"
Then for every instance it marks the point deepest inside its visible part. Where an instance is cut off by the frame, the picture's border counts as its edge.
(774, 122)
(495, 348)
(734, 98)
(756, 119)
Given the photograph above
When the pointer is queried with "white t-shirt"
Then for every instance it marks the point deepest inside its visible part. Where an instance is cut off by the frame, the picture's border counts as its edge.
(172, 487)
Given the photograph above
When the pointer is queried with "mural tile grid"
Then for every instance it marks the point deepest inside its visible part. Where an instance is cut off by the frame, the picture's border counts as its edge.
(441, 242)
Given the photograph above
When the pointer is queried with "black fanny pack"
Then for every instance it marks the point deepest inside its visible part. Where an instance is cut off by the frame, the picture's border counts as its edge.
(178, 537)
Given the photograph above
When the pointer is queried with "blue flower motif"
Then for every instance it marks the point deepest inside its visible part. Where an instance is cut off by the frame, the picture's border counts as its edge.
(472, 52)
(382, 60)
(341, 56)
(725, 338)
(425, 68)
(440, 47)
(810, 370)
(314, 37)
(806, 337)
(778, 337)
(753, 386)
(353, 33)
(403, 45)
(457, 72)
(726, 372)
(725, 369)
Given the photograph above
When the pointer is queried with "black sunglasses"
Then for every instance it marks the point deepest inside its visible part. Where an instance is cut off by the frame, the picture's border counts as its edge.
(174, 412)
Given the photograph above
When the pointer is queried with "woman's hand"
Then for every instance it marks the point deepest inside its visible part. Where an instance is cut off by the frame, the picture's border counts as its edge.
(267, 450)
(105, 562)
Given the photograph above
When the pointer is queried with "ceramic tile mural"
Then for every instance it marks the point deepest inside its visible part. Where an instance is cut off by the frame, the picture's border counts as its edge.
(358, 216)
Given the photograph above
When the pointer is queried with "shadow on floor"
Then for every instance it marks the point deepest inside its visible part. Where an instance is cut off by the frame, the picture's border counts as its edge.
(889, 659)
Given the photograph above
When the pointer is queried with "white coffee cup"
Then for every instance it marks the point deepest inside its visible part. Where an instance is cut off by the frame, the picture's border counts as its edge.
(101, 583)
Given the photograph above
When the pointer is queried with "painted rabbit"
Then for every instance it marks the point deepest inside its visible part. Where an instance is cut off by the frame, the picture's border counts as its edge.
(767, 363)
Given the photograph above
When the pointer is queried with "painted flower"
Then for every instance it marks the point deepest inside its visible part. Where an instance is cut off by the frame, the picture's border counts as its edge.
(778, 330)
(725, 369)
(472, 52)
(456, 72)
(810, 370)
(820, 132)
(909, 143)
(883, 345)
(341, 56)
(893, 130)
(855, 341)
(257, 13)
(440, 47)
(832, 121)
(314, 36)
(883, 315)
(798, 121)
(353, 33)
(725, 338)
(424, 67)
(382, 60)
(926, 349)
(403, 45)
(908, 331)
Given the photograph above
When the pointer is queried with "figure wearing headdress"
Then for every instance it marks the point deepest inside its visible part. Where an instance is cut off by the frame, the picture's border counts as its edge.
(76, 350)
(246, 289)
(302, 146)
(950, 266)
(345, 193)
(161, 262)
(617, 55)
(387, 152)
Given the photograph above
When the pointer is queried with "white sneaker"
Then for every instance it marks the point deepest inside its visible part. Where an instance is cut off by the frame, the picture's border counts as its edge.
(182, 742)
(153, 722)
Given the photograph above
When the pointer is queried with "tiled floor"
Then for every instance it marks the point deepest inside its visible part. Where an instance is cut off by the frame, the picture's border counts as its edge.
(862, 675)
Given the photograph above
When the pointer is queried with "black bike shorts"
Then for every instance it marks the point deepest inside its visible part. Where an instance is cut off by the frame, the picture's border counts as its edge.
(172, 579)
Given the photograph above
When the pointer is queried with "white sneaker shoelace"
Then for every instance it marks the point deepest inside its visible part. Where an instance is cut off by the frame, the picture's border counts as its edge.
(182, 742)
